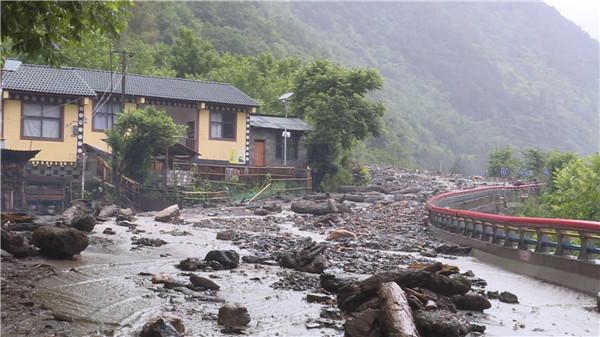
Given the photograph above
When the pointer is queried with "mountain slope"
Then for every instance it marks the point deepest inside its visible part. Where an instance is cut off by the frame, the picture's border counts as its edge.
(461, 78)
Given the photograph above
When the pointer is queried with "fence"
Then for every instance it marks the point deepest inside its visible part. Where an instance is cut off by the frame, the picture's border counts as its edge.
(560, 237)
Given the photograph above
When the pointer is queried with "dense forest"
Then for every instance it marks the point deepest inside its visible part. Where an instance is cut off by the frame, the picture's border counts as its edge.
(460, 78)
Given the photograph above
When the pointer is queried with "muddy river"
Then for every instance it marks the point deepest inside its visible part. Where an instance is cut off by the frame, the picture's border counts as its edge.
(107, 291)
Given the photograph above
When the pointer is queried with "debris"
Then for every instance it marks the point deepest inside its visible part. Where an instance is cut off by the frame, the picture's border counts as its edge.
(318, 298)
(163, 327)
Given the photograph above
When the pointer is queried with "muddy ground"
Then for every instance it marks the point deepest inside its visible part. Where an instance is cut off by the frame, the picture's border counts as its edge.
(107, 291)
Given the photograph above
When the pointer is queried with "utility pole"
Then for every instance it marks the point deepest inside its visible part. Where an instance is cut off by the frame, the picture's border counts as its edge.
(125, 64)
(284, 98)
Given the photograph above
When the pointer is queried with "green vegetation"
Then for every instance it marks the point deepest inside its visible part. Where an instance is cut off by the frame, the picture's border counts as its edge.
(576, 192)
(333, 99)
(461, 79)
(136, 137)
(572, 185)
(41, 29)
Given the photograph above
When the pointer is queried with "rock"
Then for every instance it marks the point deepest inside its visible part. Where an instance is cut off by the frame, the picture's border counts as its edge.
(507, 297)
(409, 190)
(192, 264)
(363, 324)
(156, 242)
(273, 207)
(227, 258)
(598, 301)
(429, 253)
(233, 315)
(493, 295)
(109, 211)
(203, 283)
(163, 327)
(471, 302)
(318, 298)
(341, 234)
(169, 214)
(128, 212)
(312, 207)
(440, 323)
(83, 222)
(61, 243)
(261, 211)
(17, 244)
(227, 235)
(332, 282)
(162, 278)
(108, 231)
(354, 197)
(453, 250)
(259, 259)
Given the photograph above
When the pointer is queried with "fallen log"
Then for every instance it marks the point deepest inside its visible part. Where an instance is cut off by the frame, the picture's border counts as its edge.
(352, 295)
(396, 314)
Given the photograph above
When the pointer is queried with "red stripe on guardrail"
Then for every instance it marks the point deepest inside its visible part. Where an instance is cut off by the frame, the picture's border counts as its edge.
(567, 224)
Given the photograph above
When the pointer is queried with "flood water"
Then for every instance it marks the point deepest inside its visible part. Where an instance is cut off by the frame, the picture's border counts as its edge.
(104, 295)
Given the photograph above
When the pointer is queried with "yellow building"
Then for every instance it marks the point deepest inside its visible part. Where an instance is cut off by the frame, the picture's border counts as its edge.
(58, 110)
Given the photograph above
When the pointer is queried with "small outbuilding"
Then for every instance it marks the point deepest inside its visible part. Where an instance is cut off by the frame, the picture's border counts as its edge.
(267, 142)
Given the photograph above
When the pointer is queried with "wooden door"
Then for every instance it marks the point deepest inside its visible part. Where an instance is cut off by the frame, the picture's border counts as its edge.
(259, 152)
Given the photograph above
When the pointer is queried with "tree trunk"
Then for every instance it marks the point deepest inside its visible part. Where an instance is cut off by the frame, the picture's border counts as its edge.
(396, 315)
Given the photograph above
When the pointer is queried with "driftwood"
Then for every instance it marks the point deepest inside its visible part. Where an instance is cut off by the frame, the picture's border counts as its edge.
(396, 315)
(352, 295)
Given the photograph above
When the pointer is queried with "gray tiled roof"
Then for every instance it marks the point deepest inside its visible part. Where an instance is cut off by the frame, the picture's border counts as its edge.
(273, 122)
(168, 88)
(44, 79)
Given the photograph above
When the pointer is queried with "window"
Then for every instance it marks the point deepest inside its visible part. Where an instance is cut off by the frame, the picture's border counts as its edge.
(222, 125)
(292, 147)
(42, 121)
(103, 116)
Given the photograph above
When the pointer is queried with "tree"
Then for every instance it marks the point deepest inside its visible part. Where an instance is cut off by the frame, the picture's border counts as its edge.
(334, 100)
(576, 192)
(43, 28)
(534, 161)
(262, 77)
(500, 159)
(137, 136)
(193, 56)
(556, 161)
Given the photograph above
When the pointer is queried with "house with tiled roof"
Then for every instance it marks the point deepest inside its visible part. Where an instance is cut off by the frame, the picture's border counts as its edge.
(64, 111)
(57, 110)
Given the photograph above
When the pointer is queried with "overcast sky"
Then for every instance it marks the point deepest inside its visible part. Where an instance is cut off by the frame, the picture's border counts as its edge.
(584, 13)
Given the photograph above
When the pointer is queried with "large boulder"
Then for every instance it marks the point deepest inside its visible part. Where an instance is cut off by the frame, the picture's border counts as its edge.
(233, 315)
(84, 222)
(17, 244)
(109, 211)
(508, 297)
(229, 259)
(203, 283)
(80, 215)
(471, 302)
(60, 243)
(440, 323)
(169, 214)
